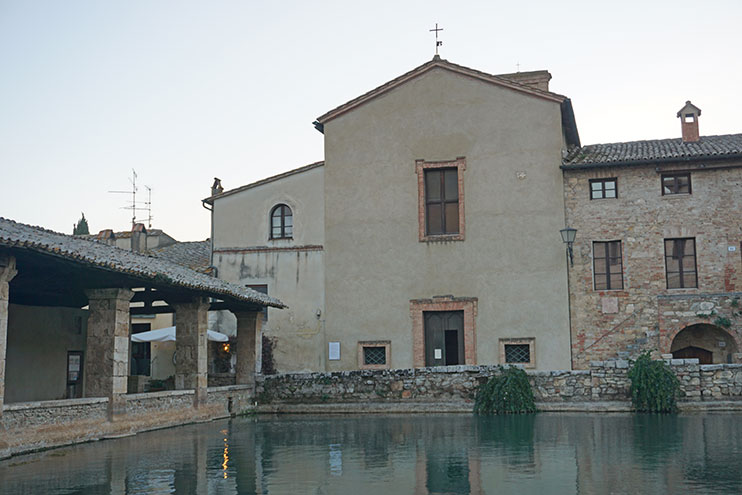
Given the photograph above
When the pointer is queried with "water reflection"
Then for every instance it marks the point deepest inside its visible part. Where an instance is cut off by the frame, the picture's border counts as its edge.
(440, 454)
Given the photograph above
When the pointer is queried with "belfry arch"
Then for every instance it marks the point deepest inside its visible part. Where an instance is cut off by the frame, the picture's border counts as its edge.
(709, 343)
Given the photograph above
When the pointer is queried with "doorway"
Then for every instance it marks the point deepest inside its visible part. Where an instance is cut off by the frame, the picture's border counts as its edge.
(444, 338)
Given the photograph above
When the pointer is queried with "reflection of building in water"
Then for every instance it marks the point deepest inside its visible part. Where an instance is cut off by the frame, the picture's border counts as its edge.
(424, 455)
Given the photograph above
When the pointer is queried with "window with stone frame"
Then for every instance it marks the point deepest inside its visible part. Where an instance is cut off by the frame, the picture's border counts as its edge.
(607, 265)
(518, 351)
(374, 354)
(680, 263)
(282, 222)
(441, 199)
(676, 184)
(604, 188)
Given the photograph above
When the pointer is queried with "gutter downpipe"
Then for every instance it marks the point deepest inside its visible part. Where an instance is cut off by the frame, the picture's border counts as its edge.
(214, 270)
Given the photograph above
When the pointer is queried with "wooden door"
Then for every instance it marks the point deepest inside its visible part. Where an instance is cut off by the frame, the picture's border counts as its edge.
(704, 356)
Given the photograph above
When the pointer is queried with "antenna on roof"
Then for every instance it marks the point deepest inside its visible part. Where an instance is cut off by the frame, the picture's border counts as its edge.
(134, 206)
(437, 43)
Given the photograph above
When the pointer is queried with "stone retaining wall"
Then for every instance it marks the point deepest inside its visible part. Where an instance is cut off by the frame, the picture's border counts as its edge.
(53, 412)
(605, 381)
(31, 426)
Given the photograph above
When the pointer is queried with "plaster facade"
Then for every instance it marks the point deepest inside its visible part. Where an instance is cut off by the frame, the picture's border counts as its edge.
(511, 259)
(292, 269)
(645, 314)
(39, 339)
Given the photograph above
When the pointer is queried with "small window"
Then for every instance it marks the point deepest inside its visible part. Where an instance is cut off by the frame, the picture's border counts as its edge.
(675, 184)
(282, 222)
(518, 351)
(680, 263)
(442, 201)
(607, 265)
(689, 117)
(374, 354)
(603, 188)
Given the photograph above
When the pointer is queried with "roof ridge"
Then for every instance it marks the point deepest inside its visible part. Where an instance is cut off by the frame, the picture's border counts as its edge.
(266, 180)
(435, 62)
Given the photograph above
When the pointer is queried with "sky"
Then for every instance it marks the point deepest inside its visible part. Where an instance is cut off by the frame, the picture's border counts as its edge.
(185, 91)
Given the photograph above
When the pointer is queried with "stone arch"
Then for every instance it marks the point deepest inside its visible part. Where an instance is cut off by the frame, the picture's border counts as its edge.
(711, 344)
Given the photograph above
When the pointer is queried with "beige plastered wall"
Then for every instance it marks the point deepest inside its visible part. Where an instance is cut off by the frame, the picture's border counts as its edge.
(293, 269)
(512, 260)
(161, 364)
(38, 341)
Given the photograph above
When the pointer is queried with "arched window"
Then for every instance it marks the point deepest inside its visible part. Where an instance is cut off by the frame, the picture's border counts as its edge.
(282, 222)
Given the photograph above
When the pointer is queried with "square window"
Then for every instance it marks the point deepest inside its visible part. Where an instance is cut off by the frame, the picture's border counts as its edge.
(604, 188)
(374, 354)
(676, 184)
(518, 351)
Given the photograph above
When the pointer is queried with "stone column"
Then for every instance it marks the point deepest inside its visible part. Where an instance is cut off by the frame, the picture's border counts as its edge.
(248, 329)
(191, 347)
(107, 347)
(7, 272)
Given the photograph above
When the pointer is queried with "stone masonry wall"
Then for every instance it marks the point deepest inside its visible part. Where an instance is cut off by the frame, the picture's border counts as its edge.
(604, 381)
(621, 323)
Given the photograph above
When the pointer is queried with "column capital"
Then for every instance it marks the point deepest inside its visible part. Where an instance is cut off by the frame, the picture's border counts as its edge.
(245, 313)
(194, 303)
(112, 293)
(7, 268)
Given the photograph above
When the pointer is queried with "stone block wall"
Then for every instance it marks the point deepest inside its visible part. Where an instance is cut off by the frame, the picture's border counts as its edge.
(645, 314)
(604, 381)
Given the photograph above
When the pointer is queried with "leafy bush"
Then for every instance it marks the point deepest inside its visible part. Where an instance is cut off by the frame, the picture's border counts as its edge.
(654, 387)
(508, 392)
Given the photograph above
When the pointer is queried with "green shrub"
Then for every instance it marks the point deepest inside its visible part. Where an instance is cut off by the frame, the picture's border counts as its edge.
(654, 387)
(508, 392)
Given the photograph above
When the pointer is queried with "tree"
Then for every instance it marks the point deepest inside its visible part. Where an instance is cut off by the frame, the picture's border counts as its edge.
(81, 228)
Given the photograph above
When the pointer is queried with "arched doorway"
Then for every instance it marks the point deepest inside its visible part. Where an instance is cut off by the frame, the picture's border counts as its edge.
(708, 343)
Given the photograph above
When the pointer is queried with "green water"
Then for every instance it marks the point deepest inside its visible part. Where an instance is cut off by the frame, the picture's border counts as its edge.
(413, 454)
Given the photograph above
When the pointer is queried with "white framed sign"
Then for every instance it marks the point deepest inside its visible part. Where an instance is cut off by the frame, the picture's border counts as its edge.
(333, 351)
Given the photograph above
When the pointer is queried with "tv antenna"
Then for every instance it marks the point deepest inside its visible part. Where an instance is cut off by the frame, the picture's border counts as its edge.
(135, 206)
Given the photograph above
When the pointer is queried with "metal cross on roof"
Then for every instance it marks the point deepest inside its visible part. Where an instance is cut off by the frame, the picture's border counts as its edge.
(437, 43)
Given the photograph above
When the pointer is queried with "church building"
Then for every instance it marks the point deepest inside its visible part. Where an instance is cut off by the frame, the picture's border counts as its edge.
(428, 236)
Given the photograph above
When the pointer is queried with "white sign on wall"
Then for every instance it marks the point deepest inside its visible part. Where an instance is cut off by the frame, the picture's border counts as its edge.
(334, 351)
(438, 354)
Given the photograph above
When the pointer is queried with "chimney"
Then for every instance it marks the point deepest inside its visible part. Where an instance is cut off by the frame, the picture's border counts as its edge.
(538, 78)
(106, 237)
(689, 122)
(138, 238)
(216, 187)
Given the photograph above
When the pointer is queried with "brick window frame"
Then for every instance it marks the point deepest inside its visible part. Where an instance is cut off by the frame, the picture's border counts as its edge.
(445, 303)
(420, 167)
(386, 344)
(530, 341)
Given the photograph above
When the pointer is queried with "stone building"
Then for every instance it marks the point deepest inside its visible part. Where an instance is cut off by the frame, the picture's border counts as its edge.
(429, 235)
(657, 261)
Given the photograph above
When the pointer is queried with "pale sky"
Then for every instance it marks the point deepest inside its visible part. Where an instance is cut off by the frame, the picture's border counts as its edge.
(183, 91)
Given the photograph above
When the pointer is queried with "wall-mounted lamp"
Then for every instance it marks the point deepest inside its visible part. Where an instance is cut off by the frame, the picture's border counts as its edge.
(568, 237)
(226, 347)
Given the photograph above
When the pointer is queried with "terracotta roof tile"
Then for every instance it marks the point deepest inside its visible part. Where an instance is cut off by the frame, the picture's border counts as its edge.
(85, 251)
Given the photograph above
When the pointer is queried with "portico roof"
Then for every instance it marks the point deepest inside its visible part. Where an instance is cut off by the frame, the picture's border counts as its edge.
(90, 264)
